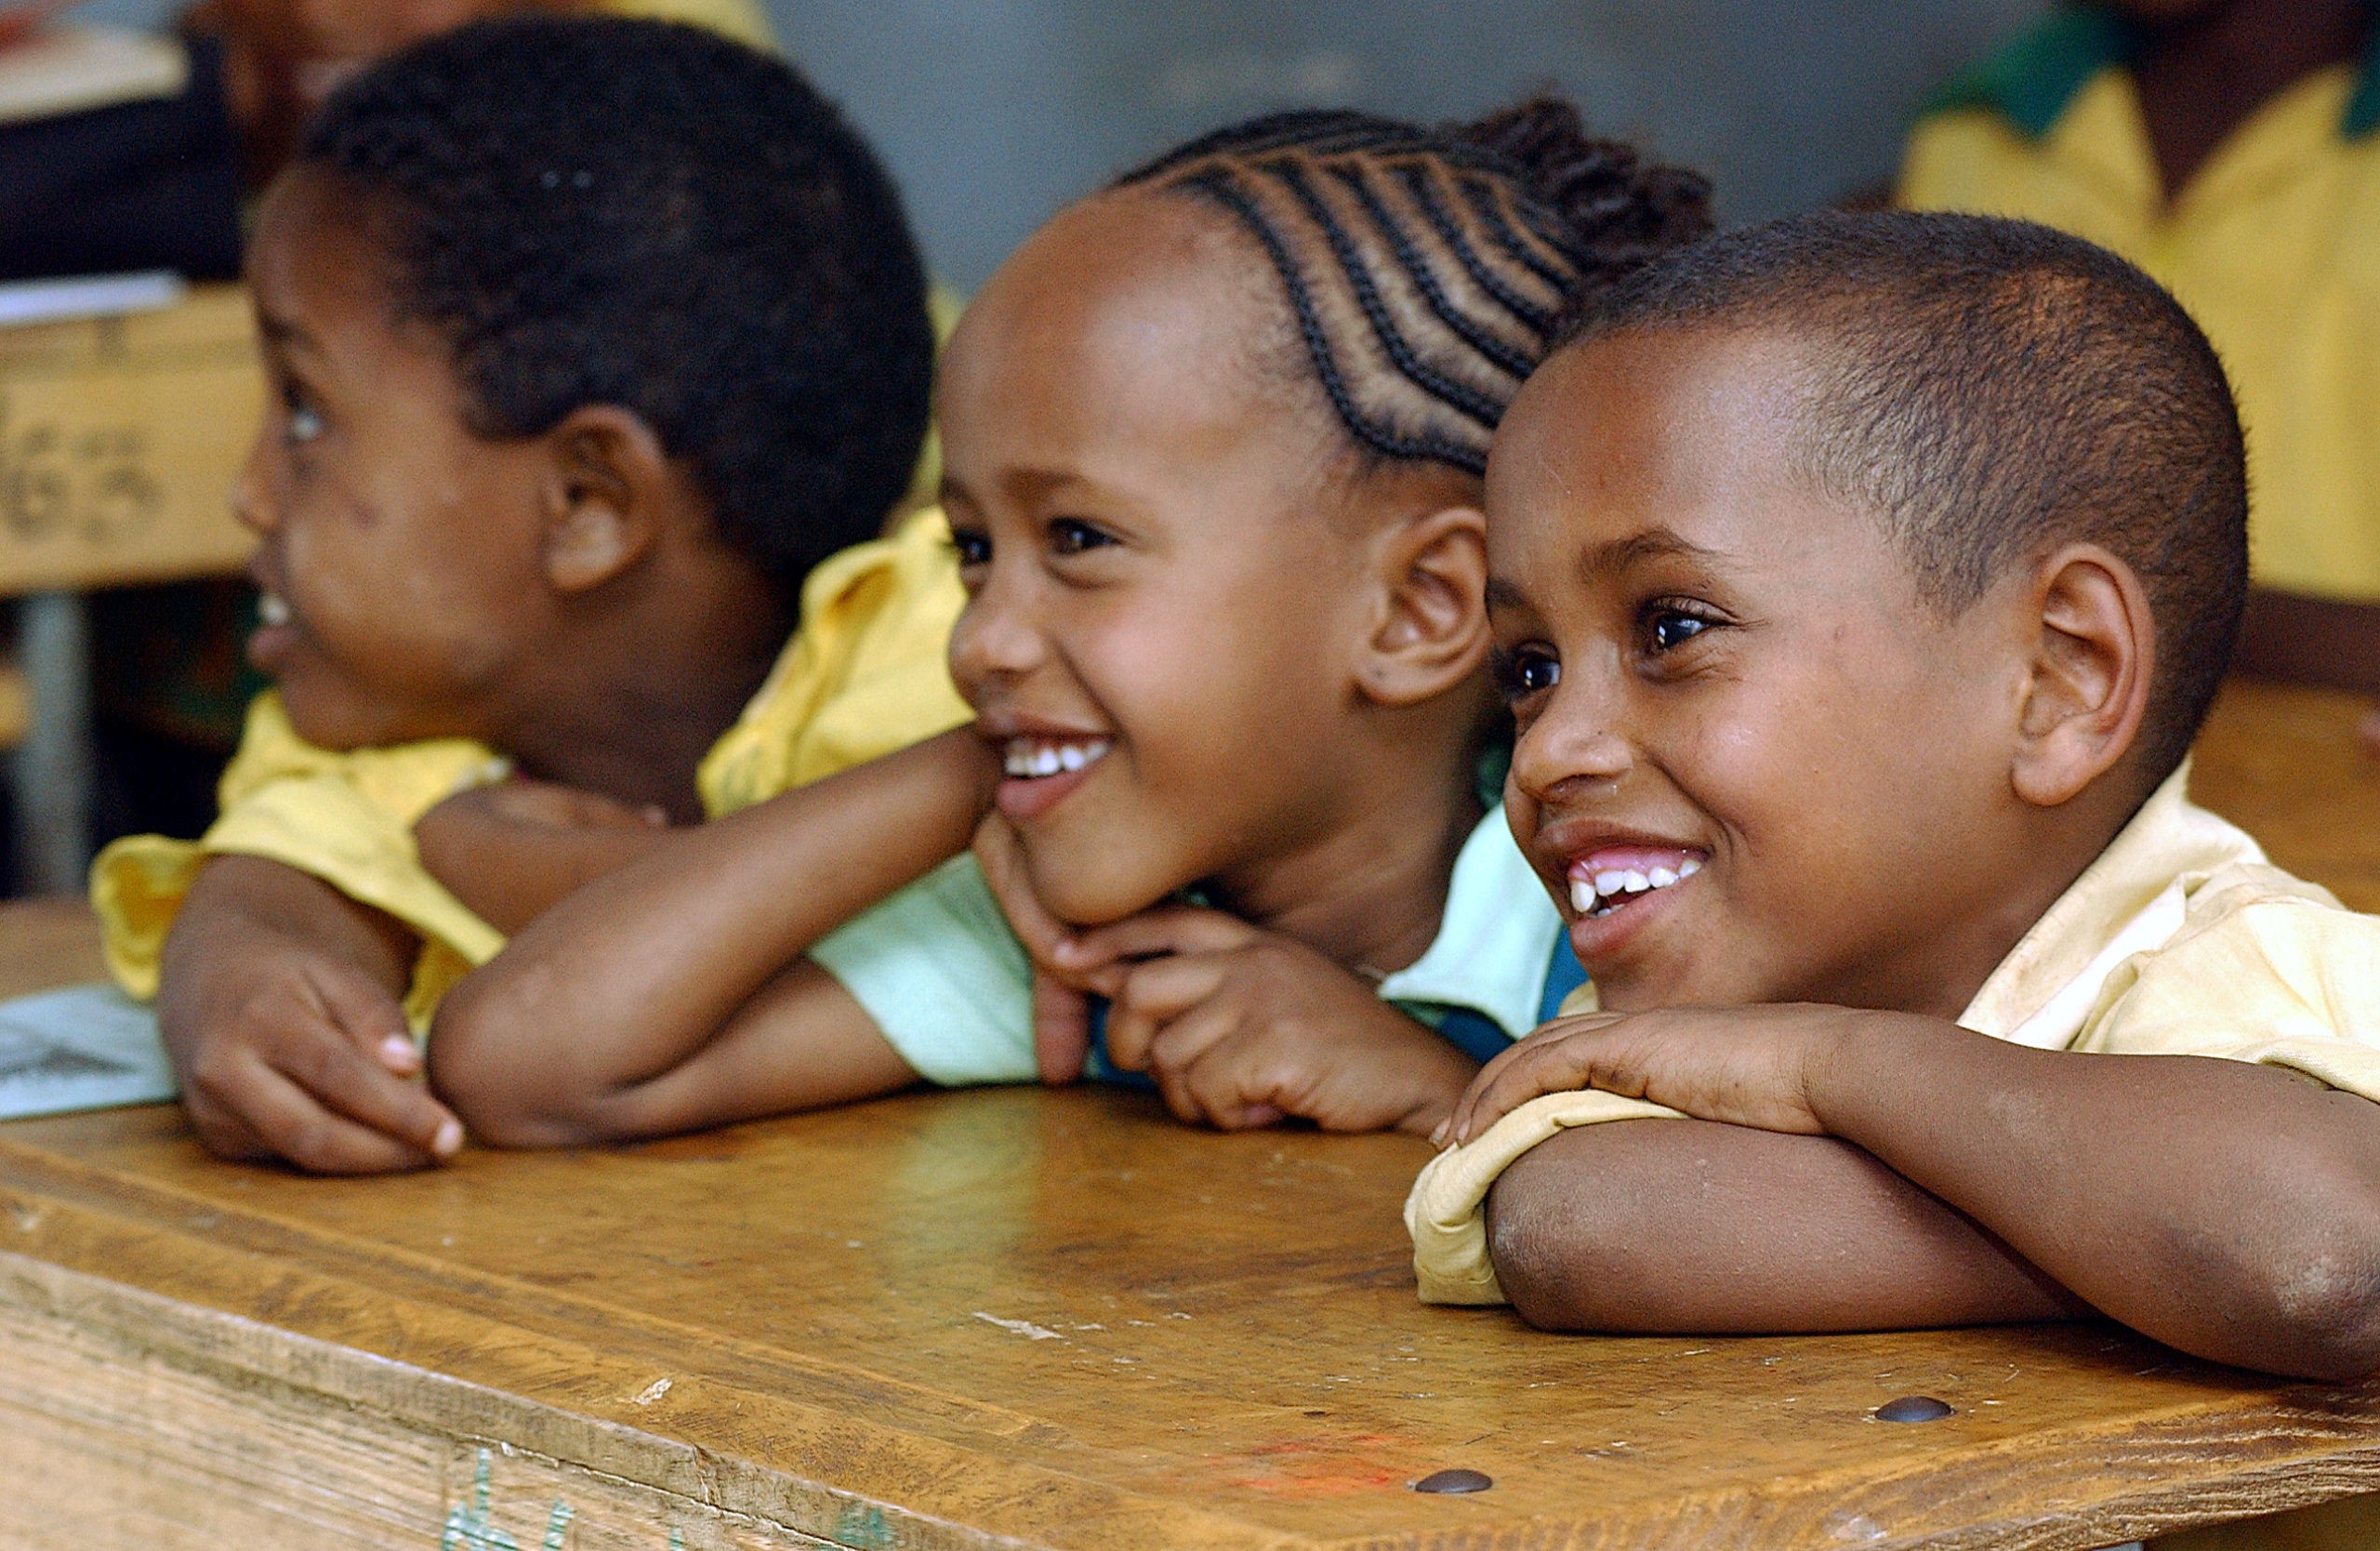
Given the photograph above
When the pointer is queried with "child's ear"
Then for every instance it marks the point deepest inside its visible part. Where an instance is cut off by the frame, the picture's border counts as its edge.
(2094, 653)
(1429, 631)
(609, 482)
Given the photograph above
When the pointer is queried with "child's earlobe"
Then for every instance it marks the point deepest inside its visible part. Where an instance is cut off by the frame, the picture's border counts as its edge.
(2091, 673)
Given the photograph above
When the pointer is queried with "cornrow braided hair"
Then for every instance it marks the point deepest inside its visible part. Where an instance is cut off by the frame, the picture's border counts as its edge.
(1429, 270)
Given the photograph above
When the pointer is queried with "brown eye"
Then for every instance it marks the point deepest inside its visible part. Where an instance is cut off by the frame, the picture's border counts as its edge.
(973, 547)
(1669, 629)
(1072, 536)
(1525, 672)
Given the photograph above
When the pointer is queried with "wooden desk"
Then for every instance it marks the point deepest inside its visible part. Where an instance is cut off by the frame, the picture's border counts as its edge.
(1006, 1317)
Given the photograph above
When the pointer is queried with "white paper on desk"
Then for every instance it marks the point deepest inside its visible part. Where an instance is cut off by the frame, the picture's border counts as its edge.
(88, 1047)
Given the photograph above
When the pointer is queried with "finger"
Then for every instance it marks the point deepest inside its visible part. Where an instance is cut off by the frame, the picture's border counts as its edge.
(1168, 929)
(1231, 1080)
(293, 1123)
(1199, 1029)
(362, 1008)
(1152, 995)
(351, 1075)
(1491, 1095)
(1002, 857)
(1060, 1029)
(1564, 1065)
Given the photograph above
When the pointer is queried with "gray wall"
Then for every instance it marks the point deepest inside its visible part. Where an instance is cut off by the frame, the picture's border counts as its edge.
(995, 112)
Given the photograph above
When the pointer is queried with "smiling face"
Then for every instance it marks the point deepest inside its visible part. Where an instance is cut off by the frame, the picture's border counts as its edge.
(400, 554)
(1752, 765)
(1164, 582)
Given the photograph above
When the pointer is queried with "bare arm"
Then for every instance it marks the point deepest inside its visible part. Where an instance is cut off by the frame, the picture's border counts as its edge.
(2229, 1210)
(278, 1000)
(672, 993)
(509, 851)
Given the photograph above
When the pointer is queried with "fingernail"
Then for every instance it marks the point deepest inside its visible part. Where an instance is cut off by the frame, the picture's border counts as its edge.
(398, 1051)
(449, 1140)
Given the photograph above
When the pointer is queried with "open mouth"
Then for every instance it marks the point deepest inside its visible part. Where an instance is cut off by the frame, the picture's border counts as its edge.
(1032, 759)
(1613, 878)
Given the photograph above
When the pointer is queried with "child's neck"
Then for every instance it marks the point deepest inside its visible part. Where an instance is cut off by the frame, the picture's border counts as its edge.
(1369, 894)
(2203, 78)
(631, 716)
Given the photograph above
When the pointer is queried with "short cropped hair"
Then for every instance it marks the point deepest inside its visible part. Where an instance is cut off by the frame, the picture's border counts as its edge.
(1426, 268)
(603, 210)
(1994, 388)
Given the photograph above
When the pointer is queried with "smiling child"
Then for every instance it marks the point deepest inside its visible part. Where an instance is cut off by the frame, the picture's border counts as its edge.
(1859, 584)
(1212, 444)
(563, 418)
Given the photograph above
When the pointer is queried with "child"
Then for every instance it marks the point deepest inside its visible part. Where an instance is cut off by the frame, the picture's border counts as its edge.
(1211, 442)
(565, 415)
(2230, 148)
(1859, 584)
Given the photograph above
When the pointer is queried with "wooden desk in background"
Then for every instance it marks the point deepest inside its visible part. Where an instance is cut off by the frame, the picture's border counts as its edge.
(1024, 1318)
(119, 438)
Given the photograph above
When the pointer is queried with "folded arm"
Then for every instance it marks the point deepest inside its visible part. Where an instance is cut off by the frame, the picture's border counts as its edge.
(672, 993)
(2229, 1210)
(279, 1001)
(509, 851)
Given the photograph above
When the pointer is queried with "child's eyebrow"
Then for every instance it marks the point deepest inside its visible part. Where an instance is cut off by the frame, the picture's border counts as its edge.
(285, 335)
(1620, 554)
(1505, 594)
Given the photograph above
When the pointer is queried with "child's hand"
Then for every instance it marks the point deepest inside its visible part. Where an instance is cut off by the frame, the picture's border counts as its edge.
(286, 1050)
(1241, 1027)
(510, 849)
(1061, 998)
(1741, 1066)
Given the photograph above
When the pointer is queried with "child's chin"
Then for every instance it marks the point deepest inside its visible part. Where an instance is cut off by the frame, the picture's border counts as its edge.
(329, 717)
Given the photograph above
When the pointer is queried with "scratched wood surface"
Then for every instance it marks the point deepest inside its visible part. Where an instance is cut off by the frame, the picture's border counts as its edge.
(995, 1318)
(118, 439)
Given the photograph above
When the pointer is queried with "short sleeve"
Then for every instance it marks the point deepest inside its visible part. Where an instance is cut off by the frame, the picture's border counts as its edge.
(1444, 1213)
(946, 980)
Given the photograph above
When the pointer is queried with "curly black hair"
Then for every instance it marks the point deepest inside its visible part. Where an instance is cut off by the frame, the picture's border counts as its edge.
(1429, 268)
(604, 210)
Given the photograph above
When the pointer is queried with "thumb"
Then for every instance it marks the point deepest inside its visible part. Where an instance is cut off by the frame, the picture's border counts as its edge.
(1060, 1029)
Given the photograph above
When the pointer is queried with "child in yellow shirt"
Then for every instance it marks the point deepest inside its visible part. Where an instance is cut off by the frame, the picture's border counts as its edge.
(564, 418)
(1211, 446)
(1859, 584)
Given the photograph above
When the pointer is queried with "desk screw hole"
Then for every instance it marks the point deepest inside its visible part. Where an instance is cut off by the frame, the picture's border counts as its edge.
(1914, 1408)
(1453, 1481)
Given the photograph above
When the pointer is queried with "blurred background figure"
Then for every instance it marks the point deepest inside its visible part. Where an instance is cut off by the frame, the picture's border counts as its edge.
(2230, 148)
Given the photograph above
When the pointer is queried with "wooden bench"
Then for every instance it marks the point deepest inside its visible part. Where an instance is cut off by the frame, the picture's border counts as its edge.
(1024, 1318)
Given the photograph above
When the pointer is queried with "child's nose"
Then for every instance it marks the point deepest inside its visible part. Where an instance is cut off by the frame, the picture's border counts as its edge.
(251, 494)
(995, 637)
(1579, 738)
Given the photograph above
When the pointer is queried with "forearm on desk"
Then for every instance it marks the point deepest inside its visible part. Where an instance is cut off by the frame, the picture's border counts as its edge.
(511, 882)
(2227, 1209)
(629, 1005)
(1694, 1227)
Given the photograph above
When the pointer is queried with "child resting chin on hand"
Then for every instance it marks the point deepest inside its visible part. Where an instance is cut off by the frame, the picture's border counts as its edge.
(1212, 443)
(563, 416)
(1859, 584)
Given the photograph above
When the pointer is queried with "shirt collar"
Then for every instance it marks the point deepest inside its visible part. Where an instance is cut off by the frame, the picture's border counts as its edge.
(2129, 900)
(1495, 940)
(2034, 78)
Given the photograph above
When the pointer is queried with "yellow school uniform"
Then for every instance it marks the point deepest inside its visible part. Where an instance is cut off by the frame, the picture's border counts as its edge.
(863, 675)
(2274, 247)
(2181, 940)
(740, 20)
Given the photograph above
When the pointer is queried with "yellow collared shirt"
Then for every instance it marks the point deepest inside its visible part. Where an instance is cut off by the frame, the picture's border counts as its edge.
(863, 675)
(2273, 246)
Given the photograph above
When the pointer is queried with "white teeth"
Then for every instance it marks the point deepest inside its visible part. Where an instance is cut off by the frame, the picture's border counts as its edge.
(272, 610)
(1609, 886)
(1030, 759)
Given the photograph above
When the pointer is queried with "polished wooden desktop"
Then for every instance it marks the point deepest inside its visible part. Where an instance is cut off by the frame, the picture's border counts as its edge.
(1019, 1317)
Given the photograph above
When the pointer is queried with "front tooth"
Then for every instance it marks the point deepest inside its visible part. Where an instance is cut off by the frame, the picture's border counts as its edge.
(1072, 757)
(1044, 762)
(1611, 884)
(272, 610)
(1582, 896)
(1689, 867)
(1661, 877)
(1636, 882)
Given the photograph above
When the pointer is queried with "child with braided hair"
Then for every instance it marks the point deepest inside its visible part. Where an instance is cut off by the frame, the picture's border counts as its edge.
(1214, 442)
